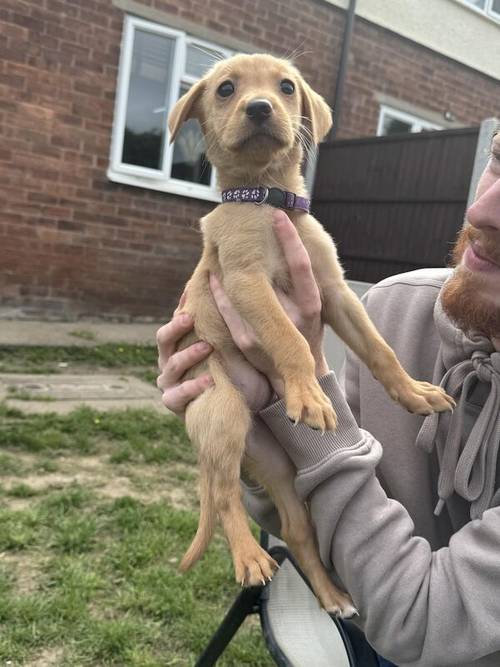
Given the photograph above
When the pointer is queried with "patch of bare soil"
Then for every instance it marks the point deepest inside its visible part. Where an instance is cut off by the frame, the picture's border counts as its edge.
(49, 657)
(147, 483)
(25, 568)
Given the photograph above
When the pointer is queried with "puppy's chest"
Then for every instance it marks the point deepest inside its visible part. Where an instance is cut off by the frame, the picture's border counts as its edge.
(243, 239)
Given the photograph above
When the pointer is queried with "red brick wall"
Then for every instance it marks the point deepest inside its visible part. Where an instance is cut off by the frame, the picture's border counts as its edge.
(74, 243)
(70, 240)
(382, 62)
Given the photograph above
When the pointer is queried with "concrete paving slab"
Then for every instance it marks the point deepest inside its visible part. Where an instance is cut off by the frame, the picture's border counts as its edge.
(62, 393)
(88, 334)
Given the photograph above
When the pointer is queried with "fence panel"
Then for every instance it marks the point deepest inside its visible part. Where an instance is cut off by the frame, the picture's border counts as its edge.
(394, 203)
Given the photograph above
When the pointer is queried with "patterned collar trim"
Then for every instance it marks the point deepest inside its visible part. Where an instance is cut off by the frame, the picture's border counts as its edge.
(262, 195)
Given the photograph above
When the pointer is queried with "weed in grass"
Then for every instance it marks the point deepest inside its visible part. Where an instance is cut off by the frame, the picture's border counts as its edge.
(184, 475)
(46, 465)
(10, 465)
(75, 534)
(114, 640)
(74, 497)
(149, 376)
(7, 413)
(21, 491)
(84, 334)
(75, 574)
(121, 455)
(18, 529)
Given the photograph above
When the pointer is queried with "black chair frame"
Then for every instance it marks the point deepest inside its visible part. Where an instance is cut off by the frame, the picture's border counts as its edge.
(253, 601)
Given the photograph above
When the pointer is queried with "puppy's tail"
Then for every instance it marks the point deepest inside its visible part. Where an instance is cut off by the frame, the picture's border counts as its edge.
(206, 527)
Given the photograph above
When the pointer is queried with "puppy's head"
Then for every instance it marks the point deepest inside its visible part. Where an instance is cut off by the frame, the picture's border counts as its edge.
(253, 108)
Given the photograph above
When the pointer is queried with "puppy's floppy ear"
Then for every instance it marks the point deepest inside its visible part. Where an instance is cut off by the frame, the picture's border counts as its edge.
(317, 111)
(188, 106)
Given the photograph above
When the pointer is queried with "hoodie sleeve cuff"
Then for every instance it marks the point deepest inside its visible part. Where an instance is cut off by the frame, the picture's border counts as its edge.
(309, 449)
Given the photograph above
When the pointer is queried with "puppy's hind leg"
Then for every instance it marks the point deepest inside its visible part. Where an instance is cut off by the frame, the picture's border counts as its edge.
(218, 422)
(274, 470)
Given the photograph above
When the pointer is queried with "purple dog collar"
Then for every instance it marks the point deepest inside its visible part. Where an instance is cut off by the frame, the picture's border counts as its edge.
(272, 196)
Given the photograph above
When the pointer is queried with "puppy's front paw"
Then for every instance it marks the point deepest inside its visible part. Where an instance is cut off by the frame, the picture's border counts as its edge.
(306, 402)
(422, 398)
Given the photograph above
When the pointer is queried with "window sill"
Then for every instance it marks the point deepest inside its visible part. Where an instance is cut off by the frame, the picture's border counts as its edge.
(172, 186)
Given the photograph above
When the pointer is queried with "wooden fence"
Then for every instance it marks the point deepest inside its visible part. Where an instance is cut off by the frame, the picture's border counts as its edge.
(394, 203)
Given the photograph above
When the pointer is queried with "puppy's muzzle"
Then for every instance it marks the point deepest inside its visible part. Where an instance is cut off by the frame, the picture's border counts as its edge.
(259, 110)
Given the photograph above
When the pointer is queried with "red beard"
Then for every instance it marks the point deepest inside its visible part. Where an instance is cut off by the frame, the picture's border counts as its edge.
(462, 296)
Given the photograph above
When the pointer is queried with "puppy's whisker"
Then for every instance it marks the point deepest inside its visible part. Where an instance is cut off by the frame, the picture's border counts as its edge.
(204, 143)
(306, 143)
(297, 52)
(215, 56)
(304, 125)
(275, 180)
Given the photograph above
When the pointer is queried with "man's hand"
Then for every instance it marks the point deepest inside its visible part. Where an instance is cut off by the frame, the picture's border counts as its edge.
(303, 306)
(173, 365)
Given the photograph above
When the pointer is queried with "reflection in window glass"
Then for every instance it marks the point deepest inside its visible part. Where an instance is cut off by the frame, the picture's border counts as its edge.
(477, 3)
(199, 60)
(495, 7)
(150, 76)
(395, 126)
(189, 162)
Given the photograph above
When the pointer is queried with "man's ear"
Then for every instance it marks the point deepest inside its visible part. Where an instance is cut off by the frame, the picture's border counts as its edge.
(317, 111)
(188, 106)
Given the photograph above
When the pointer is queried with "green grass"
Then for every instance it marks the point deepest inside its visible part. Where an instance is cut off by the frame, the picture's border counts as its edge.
(94, 578)
(41, 359)
(139, 435)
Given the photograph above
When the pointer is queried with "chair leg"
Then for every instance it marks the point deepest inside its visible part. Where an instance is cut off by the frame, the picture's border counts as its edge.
(244, 605)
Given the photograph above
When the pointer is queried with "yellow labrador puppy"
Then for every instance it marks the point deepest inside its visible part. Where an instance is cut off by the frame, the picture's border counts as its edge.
(257, 114)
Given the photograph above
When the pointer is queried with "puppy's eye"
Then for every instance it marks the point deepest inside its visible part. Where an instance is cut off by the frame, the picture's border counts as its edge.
(225, 89)
(287, 87)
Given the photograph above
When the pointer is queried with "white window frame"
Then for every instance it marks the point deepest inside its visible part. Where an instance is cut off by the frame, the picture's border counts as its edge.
(145, 177)
(417, 124)
(488, 10)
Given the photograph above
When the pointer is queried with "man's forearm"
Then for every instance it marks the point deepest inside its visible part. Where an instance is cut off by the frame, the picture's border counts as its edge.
(417, 607)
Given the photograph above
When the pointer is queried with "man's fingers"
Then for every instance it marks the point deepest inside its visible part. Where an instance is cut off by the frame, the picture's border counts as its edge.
(177, 398)
(180, 362)
(168, 335)
(304, 285)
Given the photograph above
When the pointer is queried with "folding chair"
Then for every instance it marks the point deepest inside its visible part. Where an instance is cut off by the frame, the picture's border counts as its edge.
(297, 631)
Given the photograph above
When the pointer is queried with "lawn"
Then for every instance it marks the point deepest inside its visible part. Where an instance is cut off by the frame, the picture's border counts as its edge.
(96, 509)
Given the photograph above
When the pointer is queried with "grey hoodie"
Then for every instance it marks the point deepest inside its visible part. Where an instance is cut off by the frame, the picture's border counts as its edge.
(427, 586)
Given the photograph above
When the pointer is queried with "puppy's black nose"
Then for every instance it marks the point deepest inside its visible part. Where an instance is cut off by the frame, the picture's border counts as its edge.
(259, 110)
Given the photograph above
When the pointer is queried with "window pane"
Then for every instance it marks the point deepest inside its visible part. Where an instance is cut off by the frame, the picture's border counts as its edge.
(395, 126)
(477, 3)
(199, 60)
(189, 162)
(150, 77)
(495, 7)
